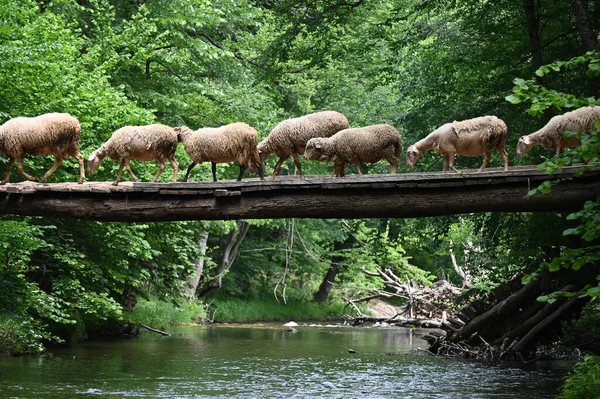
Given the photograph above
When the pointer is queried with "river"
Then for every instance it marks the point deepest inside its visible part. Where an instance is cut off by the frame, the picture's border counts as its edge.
(263, 361)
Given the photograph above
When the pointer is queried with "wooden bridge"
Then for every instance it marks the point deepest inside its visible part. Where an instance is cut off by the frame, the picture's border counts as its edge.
(369, 196)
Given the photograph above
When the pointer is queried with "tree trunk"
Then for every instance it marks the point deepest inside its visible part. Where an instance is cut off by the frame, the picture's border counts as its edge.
(588, 38)
(234, 240)
(502, 310)
(586, 31)
(533, 32)
(322, 294)
(459, 270)
(194, 278)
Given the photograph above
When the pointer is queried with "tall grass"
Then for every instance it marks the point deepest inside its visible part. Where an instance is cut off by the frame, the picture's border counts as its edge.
(242, 310)
(160, 314)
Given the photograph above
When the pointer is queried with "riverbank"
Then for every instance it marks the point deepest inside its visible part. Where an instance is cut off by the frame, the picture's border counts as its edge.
(235, 310)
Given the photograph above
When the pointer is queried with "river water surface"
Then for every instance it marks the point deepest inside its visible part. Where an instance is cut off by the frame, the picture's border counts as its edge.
(265, 362)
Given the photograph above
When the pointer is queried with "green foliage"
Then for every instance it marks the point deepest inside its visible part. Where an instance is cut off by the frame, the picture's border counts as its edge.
(584, 380)
(19, 335)
(542, 98)
(160, 314)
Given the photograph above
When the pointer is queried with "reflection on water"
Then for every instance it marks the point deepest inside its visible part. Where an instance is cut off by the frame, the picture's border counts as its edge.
(266, 362)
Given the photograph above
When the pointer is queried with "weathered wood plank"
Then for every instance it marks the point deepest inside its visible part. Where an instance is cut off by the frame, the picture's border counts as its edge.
(399, 195)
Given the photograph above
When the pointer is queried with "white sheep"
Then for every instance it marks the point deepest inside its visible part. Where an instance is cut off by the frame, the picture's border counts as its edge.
(290, 136)
(142, 143)
(54, 133)
(551, 136)
(367, 144)
(234, 142)
(472, 137)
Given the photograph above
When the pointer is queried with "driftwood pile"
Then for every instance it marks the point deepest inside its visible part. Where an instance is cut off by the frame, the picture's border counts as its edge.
(427, 306)
(510, 322)
(507, 323)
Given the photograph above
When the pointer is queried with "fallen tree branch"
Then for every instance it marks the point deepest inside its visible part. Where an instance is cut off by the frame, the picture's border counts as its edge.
(166, 334)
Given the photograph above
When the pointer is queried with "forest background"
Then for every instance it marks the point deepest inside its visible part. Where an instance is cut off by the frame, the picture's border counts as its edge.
(411, 63)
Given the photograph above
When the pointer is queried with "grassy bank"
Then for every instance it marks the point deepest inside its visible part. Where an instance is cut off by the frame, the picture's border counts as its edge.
(163, 314)
(268, 309)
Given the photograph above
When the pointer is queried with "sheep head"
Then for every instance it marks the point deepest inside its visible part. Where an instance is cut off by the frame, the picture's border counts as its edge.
(182, 132)
(523, 145)
(263, 150)
(412, 156)
(317, 150)
(94, 160)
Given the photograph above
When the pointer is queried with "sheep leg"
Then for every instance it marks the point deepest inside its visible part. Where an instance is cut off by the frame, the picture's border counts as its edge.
(451, 162)
(120, 173)
(243, 168)
(79, 159)
(297, 162)
(276, 169)
(340, 169)
(8, 169)
(504, 156)
(175, 166)
(486, 161)
(126, 160)
(49, 173)
(394, 167)
(558, 150)
(161, 167)
(446, 161)
(21, 171)
(357, 165)
(214, 170)
(189, 169)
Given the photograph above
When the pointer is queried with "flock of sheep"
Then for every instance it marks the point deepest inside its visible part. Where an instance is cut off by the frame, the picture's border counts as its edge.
(322, 136)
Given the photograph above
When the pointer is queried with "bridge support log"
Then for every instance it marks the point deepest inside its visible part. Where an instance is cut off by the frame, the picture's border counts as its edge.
(368, 196)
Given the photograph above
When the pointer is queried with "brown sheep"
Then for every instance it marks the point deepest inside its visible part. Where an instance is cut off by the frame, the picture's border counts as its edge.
(472, 137)
(551, 136)
(54, 133)
(290, 136)
(229, 143)
(142, 143)
(367, 144)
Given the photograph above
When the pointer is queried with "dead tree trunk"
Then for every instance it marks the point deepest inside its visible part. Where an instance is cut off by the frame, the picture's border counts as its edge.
(586, 31)
(510, 321)
(231, 249)
(322, 294)
(533, 32)
(194, 278)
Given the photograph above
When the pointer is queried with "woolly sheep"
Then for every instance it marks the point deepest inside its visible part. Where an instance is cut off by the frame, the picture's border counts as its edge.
(229, 143)
(470, 138)
(54, 133)
(290, 136)
(367, 144)
(142, 143)
(551, 136)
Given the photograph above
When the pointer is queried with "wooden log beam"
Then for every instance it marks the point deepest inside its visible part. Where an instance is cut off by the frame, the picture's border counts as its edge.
(368, 196)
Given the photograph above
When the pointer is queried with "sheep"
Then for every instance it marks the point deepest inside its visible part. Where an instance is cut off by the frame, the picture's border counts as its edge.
(290, 136)
(364, 144)
(54, 133)
(470, 138)
(142, 143)
(229, 143)
(551, 136)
